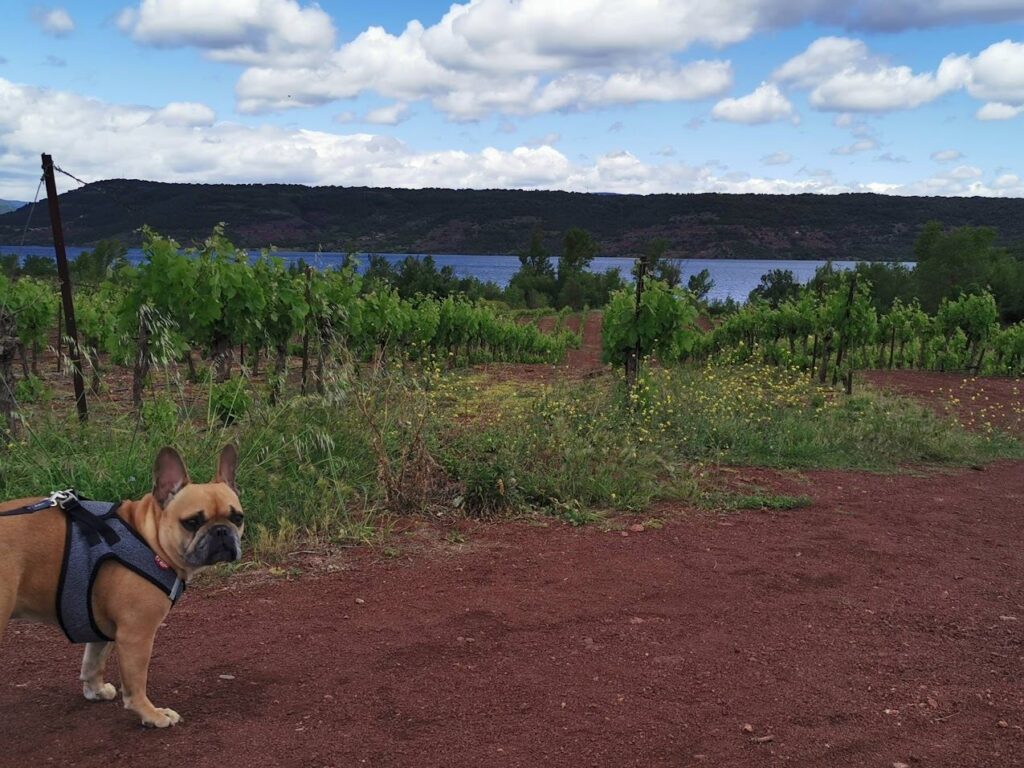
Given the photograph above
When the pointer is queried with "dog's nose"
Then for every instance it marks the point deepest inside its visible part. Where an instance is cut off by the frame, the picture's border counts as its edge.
(220, 530)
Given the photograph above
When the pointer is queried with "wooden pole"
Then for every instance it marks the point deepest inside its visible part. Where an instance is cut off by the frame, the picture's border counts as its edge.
(633, 355)
(65, 287)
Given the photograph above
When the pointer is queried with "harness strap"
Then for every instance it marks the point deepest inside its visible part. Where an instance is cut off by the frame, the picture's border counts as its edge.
(27, 510)
(95, 528)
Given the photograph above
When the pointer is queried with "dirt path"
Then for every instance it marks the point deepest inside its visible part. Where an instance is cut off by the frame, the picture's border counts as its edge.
(881, 625)
(582, 363)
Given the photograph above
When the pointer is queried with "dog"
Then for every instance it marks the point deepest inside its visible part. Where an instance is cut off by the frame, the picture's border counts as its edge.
(186, 527)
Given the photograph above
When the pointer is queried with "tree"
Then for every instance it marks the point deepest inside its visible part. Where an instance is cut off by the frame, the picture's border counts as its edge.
(658, 265)
(578, 250)
(700, 284)
(775, 287)
(535, 259)
(953, 263)
(95, 266)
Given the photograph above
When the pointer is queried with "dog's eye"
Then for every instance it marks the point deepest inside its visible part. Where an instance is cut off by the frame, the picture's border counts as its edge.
(236, 518)
(192, 524)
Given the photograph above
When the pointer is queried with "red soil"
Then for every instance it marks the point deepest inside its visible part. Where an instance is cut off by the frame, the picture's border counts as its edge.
(978, 402)
(881, 625)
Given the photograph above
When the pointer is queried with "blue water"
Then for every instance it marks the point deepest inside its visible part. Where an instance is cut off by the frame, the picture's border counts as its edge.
(734, 278)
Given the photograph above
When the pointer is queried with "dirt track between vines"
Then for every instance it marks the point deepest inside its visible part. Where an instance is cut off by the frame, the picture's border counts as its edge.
(881, 625)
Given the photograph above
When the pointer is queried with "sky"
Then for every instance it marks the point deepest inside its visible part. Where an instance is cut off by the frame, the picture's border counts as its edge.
(921, 97)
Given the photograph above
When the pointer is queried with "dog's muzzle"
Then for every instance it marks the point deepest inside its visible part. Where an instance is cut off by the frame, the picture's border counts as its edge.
(221, 544)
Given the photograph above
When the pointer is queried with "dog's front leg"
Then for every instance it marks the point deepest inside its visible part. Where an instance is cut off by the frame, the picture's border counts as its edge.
(94, 663)
(134, 647)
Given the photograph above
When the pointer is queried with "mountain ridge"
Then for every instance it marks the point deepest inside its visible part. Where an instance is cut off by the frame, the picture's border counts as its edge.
(708, 225)
(10, 205)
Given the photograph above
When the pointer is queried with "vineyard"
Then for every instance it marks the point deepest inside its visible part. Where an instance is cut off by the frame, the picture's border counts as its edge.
(830, 330)
(215, 300)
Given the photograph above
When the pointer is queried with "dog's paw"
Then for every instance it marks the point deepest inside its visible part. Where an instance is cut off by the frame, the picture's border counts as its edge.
(105, 692)
(162, 718)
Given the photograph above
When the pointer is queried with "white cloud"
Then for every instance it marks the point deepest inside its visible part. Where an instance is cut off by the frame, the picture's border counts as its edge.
(882, 89)
(54, 21)
(964, 172)
(547, 140)
(894, 15)
(995, 110)
(823, 59)
(996, 75)
(946, 155)
(183, 142)
(187, 114)
(777, 158)
(861, 145)
(889, 157)
(843, 75)
(282, 32)
(1009, 181)
(393, 114)
(531, 56)
(765, 105)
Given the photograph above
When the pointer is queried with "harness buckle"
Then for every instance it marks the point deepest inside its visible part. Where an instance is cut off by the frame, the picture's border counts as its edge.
(63, 498)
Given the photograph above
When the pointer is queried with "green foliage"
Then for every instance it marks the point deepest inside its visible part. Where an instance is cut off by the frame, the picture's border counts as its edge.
(658, 266)
(700, 284)
(776, 286)
(42, 267)
(419, 275)
(663, 325)
(159, 414)
(229, 400)
(967, 260)
(34, 304)
(578, 250)
(535, 259)
(32, 390)
(93, 267)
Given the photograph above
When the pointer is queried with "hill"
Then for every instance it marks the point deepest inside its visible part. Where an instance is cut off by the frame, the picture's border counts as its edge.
(862, 226)
(10, 205)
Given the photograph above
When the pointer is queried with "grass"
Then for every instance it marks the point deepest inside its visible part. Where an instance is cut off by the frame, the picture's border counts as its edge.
(764, 416)
(420, 440)
(757, 500)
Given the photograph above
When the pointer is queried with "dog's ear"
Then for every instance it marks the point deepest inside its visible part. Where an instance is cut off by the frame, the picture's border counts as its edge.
(169, 475)
(226, 466)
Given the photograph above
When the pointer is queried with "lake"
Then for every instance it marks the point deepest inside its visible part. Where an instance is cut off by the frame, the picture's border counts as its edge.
(733, 278)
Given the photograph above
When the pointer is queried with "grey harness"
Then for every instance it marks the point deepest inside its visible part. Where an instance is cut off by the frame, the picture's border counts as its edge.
(95, 534)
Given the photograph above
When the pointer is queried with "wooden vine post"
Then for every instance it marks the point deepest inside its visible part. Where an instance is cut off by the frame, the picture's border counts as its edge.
(633, 356)
(64, 274)
(844, 337)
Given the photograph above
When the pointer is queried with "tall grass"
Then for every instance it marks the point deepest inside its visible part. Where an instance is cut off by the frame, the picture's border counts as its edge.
(414, 439)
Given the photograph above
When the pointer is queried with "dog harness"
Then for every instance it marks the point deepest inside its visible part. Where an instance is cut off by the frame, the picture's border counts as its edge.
(95, 534)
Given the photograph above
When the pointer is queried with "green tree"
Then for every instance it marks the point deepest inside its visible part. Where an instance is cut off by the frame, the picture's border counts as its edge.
(964, 260)
(535, 259)
(776, 286)
(700, 284)
(578, 250)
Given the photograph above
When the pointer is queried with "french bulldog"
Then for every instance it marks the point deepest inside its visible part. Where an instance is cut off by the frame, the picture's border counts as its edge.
(188, 526)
